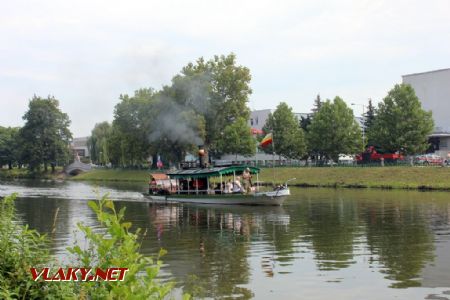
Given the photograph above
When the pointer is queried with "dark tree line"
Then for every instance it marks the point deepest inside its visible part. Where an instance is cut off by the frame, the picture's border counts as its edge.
(42, 142)
(398, 124)
(205, 104)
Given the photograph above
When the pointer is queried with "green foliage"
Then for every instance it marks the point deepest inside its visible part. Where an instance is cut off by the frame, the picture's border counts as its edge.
(117, 246)
(401, 123)
(128, 144)
(217, 90)
(317, 104)
(21, 249)
(369, 119)
(98, 143)
(288, 137)
(305, 122)
(9, 146)
(237, 139)
(195, 109)
(45, 136)
(334, 131)
(176, 128)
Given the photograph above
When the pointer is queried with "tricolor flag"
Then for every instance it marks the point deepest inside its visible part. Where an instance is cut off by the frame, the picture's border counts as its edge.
(267, 140)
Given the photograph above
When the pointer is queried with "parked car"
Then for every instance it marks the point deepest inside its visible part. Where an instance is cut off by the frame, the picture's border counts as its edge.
(429, 159)
(346, 159)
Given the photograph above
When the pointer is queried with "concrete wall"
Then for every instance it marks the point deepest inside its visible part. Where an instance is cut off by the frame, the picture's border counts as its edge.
(433, 90)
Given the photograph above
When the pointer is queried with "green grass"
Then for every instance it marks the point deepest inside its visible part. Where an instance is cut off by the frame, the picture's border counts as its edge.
(26, 174)
(376, 177)
(114, 175)
(346, 177)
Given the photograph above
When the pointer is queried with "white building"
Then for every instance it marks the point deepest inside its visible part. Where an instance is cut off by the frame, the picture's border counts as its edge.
(80, 146)
(433, 90)
(258, 118)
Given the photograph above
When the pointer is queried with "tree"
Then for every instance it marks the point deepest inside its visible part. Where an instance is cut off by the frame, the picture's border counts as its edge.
(176, 130)
(334, 131)
(98, 143)
(288, 137)
(317, 104)
(195, 109)
(129, 143)
(218, 90)
(305, 122)
(45, 135)
(369, 119)
(237, 139)
(401, 123)
(9, 146)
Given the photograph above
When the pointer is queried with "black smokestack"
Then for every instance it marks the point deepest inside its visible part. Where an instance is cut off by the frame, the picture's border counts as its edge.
(202, 156)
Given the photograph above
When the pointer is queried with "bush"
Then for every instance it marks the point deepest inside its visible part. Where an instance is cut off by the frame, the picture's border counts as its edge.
(116, 246)
(21, 249)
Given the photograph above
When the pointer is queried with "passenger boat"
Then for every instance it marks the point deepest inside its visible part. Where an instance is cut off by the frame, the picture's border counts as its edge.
(195, 186)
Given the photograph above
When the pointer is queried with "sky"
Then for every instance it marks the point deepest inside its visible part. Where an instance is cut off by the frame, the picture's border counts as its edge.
(87, 53)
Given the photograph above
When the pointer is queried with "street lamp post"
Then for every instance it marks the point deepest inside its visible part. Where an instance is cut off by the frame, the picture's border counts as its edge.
(364, 121)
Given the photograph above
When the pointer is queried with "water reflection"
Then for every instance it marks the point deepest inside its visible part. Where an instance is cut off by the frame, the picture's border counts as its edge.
(322, 242)
(210, 244)
(398, 233)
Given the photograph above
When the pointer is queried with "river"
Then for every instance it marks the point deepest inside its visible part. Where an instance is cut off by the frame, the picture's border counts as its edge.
(321, 244)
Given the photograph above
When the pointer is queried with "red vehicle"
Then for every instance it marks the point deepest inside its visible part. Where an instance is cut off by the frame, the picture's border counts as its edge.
(371, 155)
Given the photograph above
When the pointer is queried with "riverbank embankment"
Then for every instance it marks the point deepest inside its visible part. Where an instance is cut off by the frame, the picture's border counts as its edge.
(24, 173)
(429, 178)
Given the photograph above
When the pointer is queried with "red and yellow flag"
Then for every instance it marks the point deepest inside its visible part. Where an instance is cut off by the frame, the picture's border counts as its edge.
(267, 140)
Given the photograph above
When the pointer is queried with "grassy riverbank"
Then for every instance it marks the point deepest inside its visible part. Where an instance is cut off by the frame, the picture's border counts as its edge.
(346, 177)
(114, 175)
(388, 177)
(24, 173)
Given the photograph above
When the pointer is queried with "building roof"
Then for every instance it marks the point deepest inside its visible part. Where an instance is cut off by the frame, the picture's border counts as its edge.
(427, 72)
(440, 134)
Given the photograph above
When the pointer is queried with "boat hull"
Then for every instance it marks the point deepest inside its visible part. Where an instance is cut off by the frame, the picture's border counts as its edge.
(268, 198)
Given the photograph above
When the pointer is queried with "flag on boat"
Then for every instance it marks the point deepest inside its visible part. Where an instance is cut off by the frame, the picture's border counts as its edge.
(267, 140)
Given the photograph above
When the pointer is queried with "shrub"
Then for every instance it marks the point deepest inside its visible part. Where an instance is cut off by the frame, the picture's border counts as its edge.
(116, 246)
(21, 249)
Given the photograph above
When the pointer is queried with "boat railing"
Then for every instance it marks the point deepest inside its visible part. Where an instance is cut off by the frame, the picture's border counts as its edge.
(292, 179)
(207, 192)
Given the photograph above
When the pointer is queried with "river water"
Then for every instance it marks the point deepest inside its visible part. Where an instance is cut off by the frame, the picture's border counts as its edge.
(321, 244)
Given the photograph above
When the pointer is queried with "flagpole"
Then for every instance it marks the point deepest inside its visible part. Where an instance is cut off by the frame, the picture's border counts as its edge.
(273, 158)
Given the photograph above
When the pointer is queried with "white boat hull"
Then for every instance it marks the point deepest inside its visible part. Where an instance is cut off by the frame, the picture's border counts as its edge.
(263, 198)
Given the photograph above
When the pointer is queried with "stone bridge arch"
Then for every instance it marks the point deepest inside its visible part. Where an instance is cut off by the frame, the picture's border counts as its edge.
(77, 167)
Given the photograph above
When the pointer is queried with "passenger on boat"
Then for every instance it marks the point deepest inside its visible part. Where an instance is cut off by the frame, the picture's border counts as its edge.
(229, 187)
(218, 189)
(247, 178)
(237, 187)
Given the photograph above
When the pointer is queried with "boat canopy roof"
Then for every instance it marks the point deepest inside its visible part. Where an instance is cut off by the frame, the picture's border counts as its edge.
(211, 172)
(159, 176)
